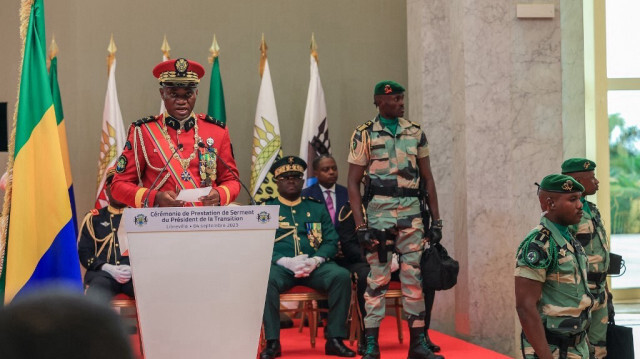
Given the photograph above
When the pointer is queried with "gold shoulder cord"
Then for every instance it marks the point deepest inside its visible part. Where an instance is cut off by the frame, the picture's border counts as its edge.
(107, 240)
(144, 151)
(146, 158)
(366, 142)
(342, 218)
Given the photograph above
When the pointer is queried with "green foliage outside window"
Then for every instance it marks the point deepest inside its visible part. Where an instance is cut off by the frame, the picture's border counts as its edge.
(624, 176)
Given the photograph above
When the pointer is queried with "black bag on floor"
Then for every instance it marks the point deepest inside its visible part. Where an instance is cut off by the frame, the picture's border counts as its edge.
(439, 271)
(619, 342)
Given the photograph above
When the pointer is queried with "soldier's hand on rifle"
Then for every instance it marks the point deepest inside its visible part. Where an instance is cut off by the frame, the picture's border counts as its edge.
(366, 240)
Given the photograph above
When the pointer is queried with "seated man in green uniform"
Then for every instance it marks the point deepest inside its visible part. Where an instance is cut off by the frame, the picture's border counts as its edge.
(552, 298)
(591, 234)
(304, 245)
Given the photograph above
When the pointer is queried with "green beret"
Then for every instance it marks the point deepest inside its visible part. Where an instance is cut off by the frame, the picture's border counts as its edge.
(387, 88)
(578, 165)
(560, 183)
(288, 164)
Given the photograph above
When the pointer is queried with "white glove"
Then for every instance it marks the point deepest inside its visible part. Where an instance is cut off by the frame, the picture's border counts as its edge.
(295, 264)
(394, 263)
(310, 265)
(121, 274)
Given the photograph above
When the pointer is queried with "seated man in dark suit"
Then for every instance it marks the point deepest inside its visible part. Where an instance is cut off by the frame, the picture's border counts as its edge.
(333, 195)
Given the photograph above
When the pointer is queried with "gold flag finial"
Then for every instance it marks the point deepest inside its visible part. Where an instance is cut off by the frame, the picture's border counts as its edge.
(314, 47)
(165, 47)
(111, 49)
(53, 49)
(263, 54)
(214, 49)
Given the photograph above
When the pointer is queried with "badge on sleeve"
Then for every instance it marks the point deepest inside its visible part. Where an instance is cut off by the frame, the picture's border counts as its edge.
(121, 165)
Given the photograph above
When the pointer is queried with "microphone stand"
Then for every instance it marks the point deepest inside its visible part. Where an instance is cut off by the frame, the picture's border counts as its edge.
(145, 204)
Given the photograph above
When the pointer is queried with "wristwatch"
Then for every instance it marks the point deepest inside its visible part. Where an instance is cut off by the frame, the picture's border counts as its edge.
(437, 223)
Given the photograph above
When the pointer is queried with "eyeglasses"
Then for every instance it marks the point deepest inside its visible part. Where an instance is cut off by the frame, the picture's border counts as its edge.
(290, 178)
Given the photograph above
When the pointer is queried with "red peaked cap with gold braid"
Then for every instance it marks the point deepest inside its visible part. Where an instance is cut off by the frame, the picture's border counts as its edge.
(178, 73)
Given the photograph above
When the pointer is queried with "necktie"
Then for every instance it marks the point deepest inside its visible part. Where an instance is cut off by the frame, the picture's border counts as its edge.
(332, 210)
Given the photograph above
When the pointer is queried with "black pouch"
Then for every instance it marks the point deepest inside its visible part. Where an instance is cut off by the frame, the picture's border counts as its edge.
(439, 271)
(615, 263)
(619, 342)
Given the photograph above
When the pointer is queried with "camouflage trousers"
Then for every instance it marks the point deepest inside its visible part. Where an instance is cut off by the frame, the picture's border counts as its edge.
(598, 330)
(403, 214)
(580, 351)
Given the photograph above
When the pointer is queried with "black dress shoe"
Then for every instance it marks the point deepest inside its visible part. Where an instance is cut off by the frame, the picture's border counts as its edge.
(335, 346)
(271, 350)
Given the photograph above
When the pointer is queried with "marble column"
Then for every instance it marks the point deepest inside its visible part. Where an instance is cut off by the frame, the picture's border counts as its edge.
(487, 87)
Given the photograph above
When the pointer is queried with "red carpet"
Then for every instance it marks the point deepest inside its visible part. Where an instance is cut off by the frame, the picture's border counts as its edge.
(297, 345)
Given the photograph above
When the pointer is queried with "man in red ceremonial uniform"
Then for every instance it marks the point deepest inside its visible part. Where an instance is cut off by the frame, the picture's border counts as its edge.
(197, 147)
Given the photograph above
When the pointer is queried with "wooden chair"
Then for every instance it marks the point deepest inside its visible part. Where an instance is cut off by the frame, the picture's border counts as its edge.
(394, 293)
(305, 296)
(123, 301)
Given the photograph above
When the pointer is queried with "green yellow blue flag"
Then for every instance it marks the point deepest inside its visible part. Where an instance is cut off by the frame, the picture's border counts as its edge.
(62, 131)
(216, 93)
(37, 242)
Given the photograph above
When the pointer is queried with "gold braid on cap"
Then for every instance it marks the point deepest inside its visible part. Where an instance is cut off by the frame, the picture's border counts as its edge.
(172, 76)
(288, 168)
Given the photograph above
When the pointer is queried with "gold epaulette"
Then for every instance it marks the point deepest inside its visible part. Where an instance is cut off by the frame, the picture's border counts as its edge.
(364, 126)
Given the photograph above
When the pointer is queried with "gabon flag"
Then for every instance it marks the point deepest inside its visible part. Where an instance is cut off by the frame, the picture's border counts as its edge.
(37, 242)
(62, 131)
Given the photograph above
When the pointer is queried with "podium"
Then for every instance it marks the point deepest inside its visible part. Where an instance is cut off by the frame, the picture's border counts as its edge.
(200, 277)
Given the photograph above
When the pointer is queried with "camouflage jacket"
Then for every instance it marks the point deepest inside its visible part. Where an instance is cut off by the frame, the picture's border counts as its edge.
(391, 160)
(591, 234)
(548, 257)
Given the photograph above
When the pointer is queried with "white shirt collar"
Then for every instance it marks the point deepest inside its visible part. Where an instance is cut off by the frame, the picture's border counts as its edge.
(324, 189)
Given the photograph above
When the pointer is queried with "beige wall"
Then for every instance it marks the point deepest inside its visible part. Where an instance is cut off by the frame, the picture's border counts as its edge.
(359, 42)
(502, 100)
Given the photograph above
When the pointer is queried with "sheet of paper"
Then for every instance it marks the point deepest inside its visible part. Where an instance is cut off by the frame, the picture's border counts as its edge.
(192, 195)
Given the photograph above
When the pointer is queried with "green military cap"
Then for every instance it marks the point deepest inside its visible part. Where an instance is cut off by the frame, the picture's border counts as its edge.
(288, 164)
(578, 165)
(561, 184)
(387, 88)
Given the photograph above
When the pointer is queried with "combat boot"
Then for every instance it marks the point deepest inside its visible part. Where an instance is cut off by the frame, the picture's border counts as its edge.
(372, 350)
(418, 348)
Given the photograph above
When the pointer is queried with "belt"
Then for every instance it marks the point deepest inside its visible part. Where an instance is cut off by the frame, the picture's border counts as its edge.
(395, 191)
(596, 277)
(564, 341)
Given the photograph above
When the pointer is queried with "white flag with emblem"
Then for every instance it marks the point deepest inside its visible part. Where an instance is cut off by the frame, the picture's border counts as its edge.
(113, 133)
(315, 130)
(266, 135)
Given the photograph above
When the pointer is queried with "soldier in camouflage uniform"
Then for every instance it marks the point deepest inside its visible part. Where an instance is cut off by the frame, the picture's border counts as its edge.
(395, 154)
(552, 297)
(591, 234)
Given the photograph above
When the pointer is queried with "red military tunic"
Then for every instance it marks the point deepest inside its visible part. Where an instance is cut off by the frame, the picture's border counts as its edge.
(147, 150)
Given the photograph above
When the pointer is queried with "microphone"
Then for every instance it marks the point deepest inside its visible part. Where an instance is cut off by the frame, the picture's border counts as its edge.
(145, 204)
(253, 201)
